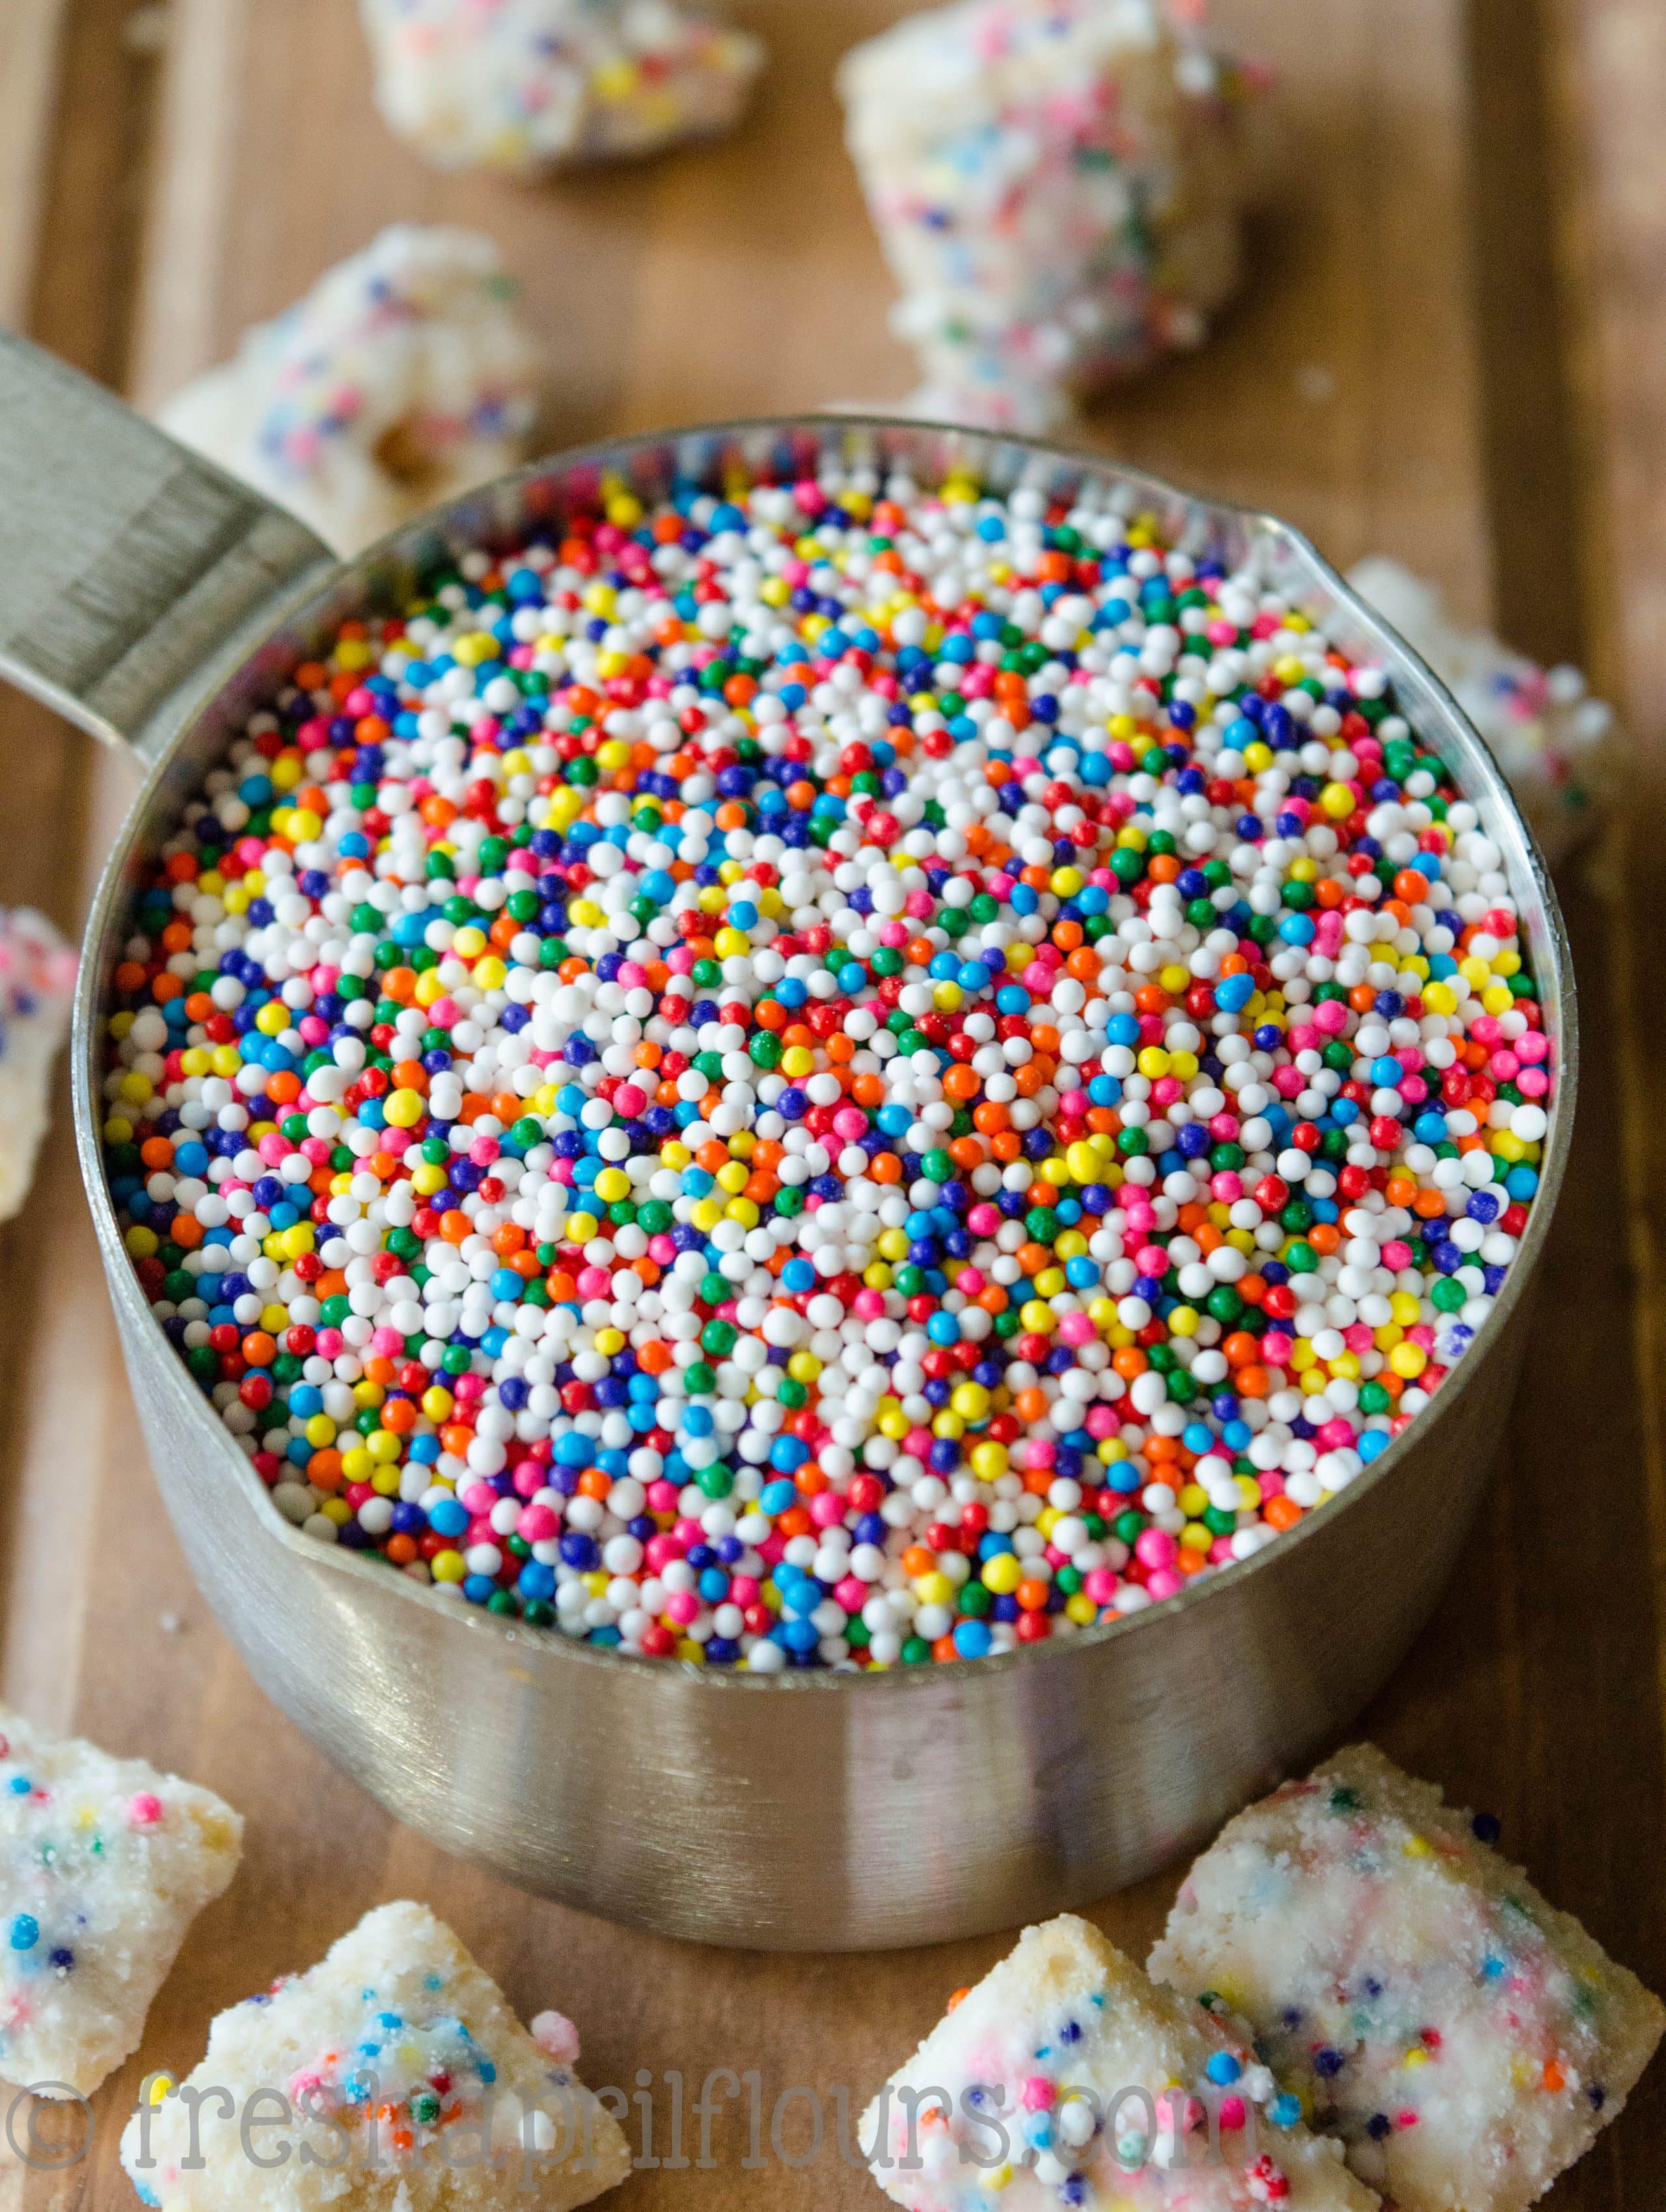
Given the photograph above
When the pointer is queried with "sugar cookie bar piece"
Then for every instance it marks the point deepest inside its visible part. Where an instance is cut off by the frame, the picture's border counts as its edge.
(1068, 2080)
(396, 2078)
(1056, 185)
(403, 379)
(522, 85)
(1558, 745)
(104, 1864)
(37, 984)
(1467, 2041)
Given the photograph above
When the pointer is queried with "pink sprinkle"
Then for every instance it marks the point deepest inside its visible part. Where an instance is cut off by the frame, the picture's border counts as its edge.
(144, 1811)
(1155, 1547)
(557, 2037)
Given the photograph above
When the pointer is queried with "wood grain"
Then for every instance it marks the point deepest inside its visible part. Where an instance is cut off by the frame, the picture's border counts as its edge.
(1604, 57)
(1393, 380)
(69, 234)
(31, 37)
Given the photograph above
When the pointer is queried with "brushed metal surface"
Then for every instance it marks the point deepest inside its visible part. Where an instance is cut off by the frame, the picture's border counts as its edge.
(126, 563)
(821, 1811)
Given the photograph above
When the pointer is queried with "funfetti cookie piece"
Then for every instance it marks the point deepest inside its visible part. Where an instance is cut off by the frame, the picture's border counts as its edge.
(1556, 743)
(104, 1864)
(398, 2080)
(403, 379)
(1070, 2080)
(1465, 2040)
(522, 85)
(37, 984)
(1056, 185)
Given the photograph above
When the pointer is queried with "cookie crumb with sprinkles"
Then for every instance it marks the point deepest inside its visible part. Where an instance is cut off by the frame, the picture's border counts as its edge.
(104, 1864)
(392, 2077)
(1058, 186)
(1557, 743)
(1467, 2041)
(1071, 2081)
(523, 86)
(37, 984)
(403, 378)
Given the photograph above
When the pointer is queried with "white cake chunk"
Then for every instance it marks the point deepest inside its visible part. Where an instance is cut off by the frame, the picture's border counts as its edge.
(104, 1864)
(1070, 2080)
(1557, 743)
(1467, 2041)
(37, 984)
(392, 2077)
(1056, 185)
(522, 85)
(403, 379)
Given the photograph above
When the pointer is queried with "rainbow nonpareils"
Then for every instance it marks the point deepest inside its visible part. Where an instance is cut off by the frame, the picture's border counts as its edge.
(846, 1073)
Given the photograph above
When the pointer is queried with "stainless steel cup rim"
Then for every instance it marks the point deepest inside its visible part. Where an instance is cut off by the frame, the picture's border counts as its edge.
(469, 521)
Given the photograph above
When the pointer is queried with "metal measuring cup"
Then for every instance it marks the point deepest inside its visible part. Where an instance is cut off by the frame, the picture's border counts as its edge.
(154, 601)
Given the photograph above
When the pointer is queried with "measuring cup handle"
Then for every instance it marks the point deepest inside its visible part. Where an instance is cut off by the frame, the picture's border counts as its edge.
(126, 563)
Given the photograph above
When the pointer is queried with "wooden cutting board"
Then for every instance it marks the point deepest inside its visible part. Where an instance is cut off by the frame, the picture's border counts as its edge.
(1450, 352)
